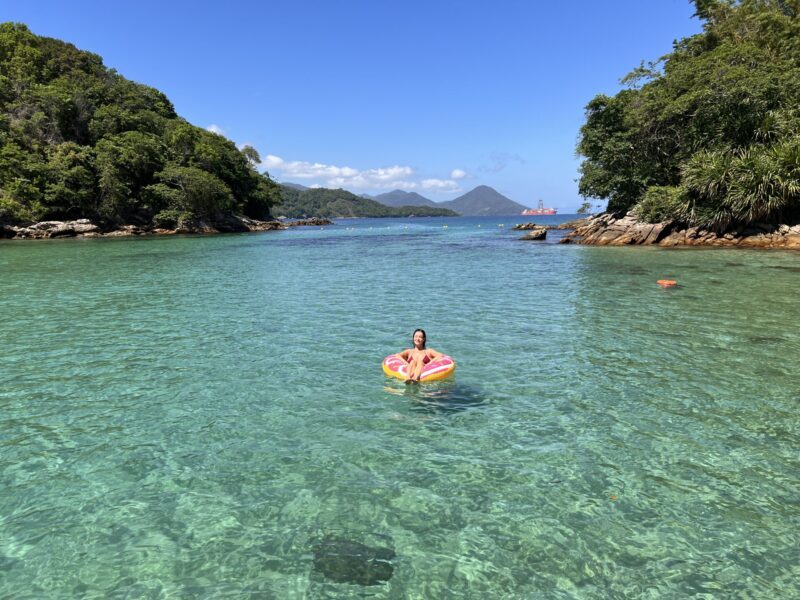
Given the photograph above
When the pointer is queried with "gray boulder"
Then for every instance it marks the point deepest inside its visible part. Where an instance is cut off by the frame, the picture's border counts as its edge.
(538, 233)
(525, 226)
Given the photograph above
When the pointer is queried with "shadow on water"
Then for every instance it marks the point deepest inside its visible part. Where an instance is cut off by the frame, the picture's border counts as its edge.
(353, 558)
(337, 237)
(438, 397)
(793, 269)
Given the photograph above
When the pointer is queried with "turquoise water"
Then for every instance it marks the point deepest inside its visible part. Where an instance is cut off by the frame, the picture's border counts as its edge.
(188, 417)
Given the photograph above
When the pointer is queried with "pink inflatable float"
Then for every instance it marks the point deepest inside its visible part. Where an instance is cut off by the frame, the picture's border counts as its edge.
(437, 369)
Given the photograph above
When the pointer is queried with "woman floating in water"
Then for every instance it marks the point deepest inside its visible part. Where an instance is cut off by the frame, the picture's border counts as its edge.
(417, 357)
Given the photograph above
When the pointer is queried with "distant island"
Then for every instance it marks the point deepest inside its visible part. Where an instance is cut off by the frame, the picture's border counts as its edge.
(397, 198)
(482, 201)
(298, 202)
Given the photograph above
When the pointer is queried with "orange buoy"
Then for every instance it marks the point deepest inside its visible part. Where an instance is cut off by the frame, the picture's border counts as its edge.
(665, 283)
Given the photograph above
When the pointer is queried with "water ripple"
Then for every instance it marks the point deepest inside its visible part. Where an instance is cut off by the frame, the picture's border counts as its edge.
(191, 416)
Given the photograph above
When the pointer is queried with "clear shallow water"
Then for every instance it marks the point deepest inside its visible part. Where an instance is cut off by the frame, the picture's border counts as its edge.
(187, 417)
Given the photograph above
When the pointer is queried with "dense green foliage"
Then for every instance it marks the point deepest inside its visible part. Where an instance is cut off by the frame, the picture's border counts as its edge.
(710, 135)
(79, 140)
(324, 202)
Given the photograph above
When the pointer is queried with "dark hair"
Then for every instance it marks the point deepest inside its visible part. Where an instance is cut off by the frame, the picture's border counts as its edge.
(424, 336)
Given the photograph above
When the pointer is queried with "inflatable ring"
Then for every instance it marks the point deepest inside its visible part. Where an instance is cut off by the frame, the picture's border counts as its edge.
(667, 283)
(393, 366)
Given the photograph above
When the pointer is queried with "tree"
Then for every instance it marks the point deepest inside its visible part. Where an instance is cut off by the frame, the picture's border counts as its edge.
(252, 156)
(70, 191)
(126, 163)
(190, 190)
(80, 140)
(708, 136)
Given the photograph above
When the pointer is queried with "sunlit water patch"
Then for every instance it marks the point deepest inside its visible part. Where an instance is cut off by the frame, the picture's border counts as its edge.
(207, 417)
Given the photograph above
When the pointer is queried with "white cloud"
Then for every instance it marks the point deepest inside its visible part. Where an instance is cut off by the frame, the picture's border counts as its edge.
(306, 170)
(215, 129)
(388, 173)
(440, 185)
(376, 179)
(458, 174)
(270, 161)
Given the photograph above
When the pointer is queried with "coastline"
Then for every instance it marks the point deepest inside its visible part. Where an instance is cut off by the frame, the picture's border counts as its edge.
(84, 228)
(606, 229)
(617, 229)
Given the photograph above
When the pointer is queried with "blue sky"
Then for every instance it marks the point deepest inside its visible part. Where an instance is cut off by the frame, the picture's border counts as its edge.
(435, 97)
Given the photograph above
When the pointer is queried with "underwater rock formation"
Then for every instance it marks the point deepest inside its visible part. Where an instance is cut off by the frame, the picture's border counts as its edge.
(346, 561)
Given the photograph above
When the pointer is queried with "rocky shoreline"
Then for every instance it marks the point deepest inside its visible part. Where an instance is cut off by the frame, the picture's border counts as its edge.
(609, 229)
(539, 232)
(84, 228)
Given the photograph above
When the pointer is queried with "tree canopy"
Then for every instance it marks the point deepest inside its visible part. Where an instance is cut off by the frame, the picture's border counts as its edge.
(79, 140)
(710, 134)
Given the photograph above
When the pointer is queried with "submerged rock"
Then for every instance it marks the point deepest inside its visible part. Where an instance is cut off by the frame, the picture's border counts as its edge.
(346, 561)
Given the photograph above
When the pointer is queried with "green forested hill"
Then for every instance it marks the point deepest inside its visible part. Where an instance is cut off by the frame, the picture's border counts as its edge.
(324, 202)
(710, 134)
(79, 140)
(403, 198)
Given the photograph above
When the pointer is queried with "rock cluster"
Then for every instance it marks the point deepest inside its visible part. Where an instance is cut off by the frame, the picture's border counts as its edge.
(621, 230)
(314, 222)
(575, 223)
(51, 229)
(85, 228)
(537, 233)
(525, 226)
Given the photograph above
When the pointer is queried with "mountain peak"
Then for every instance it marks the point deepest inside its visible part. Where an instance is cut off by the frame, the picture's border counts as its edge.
(483, 201)
(397, 198)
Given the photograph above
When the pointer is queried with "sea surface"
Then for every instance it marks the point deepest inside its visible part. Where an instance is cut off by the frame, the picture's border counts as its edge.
(206, 417)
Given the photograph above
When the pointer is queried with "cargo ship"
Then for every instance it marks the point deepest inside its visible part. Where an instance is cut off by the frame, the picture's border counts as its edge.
(540, 210)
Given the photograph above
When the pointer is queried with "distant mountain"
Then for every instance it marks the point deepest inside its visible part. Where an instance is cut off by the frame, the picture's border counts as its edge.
(324, 202)
(295, 186)
(481, 202)
(398, 198)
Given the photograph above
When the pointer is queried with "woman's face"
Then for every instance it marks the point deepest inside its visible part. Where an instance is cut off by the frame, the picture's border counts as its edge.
(419, 339)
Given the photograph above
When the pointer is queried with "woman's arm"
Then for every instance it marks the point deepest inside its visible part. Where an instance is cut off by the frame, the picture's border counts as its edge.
(434, 355)
(403, 355)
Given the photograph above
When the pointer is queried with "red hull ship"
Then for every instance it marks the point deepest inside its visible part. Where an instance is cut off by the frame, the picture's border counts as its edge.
(541, 210)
